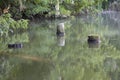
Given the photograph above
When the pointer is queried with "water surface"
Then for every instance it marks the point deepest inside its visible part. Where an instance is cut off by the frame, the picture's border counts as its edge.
(45, 56)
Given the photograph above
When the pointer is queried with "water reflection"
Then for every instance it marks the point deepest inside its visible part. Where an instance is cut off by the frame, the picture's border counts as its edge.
(111, 18)
(94, 45)
(18, 40)
(31, 71)
(74, 61)
(112, 68)
(61, 41)
(5, 67)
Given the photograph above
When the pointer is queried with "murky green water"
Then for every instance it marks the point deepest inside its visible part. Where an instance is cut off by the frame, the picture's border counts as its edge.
(44, 56)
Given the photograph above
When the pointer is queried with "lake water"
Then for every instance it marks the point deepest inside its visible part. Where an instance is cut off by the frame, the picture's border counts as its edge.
(44, 56)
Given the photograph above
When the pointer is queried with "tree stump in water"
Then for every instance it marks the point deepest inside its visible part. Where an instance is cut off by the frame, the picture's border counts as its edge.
(93, 41)
(60, 30)
(17, 45)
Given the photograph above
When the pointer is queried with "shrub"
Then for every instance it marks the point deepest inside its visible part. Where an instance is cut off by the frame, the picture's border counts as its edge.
(8, 24)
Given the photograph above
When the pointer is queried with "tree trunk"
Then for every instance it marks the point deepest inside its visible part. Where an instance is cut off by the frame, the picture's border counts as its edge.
(22, 7)
(57, 13)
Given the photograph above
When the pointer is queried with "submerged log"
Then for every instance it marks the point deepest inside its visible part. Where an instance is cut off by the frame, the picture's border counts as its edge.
(17, 45)
(60, 30)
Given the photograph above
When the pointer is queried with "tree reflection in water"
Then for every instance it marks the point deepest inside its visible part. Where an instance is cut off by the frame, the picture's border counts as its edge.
(75, 60)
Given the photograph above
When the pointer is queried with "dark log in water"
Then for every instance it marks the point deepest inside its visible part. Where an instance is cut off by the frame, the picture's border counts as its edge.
(60, 30)
(16, 45)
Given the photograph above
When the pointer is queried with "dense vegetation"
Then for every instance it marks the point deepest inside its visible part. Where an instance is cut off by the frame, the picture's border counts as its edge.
(9, 25)
(51, 8)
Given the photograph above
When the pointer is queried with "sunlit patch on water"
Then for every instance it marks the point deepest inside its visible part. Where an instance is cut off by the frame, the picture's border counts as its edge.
(33, 58)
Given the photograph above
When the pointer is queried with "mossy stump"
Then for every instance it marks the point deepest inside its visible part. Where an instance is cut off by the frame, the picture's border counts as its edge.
(93, 39)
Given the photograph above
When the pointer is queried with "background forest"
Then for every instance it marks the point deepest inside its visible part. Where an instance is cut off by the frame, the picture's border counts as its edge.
(51, 8)
(41, 57)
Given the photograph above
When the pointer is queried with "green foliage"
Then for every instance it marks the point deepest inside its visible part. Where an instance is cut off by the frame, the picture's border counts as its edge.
(7, 24)
(4, 26)
(39, 10)
(23, 24)
(38, 7)
(63, 11)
